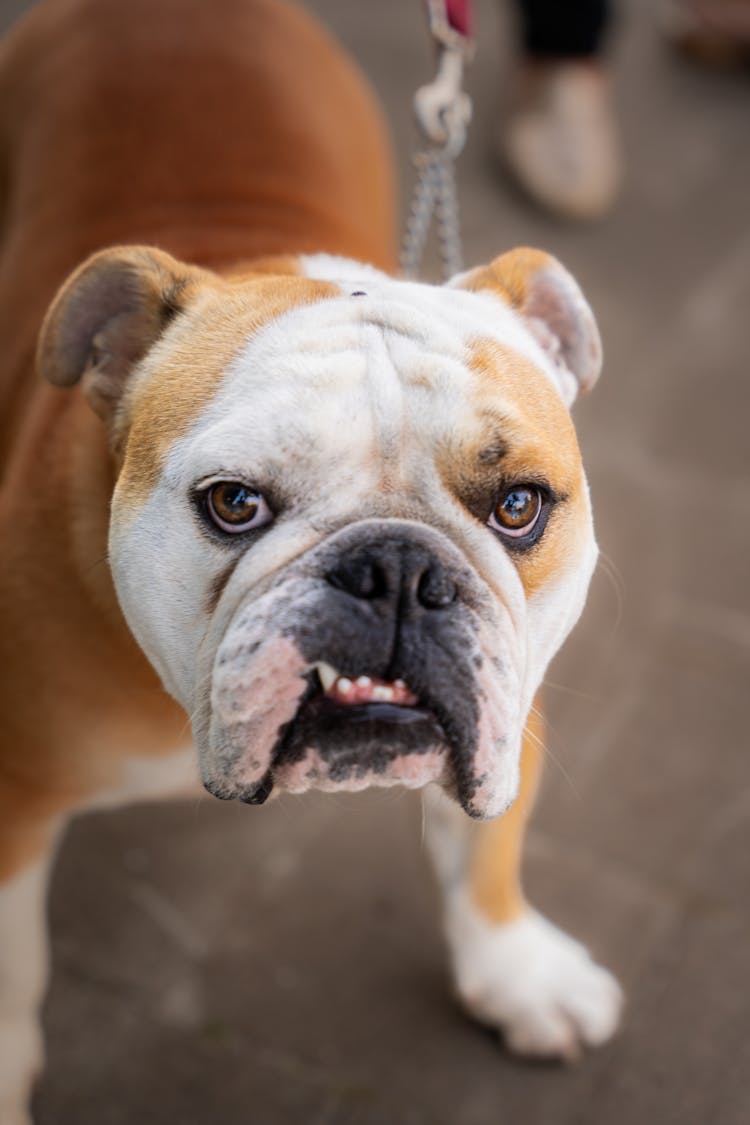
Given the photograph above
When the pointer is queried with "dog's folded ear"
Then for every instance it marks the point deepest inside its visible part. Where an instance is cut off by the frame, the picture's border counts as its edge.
(553, 308)
(107, 315)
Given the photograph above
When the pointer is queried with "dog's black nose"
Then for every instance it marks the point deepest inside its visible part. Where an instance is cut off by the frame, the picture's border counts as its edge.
(406, 575)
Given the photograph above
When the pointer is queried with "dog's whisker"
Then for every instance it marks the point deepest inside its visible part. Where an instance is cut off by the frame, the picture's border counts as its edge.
(554, 759)
(567, 690)
(617, 583)
(546, 722)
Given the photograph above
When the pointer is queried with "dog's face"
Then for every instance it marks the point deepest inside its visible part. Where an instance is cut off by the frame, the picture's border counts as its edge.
(351, 525)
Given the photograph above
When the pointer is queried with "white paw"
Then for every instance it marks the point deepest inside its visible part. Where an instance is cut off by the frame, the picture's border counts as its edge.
(536, 984)
(20, 1062)
(14, 1114)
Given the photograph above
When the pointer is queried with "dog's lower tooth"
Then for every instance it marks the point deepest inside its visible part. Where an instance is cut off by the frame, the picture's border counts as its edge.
(327, 675)
(399, 684)
(364, 681)
(383, 693)
(343, 686)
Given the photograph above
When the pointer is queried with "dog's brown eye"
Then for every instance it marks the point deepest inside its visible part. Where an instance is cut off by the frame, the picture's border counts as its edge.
(516, 511)
(235, 507)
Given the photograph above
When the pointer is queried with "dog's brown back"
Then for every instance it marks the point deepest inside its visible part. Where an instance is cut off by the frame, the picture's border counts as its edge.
(219, 131)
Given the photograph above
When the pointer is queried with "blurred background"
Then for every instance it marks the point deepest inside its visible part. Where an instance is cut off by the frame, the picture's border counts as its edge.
(219, 963)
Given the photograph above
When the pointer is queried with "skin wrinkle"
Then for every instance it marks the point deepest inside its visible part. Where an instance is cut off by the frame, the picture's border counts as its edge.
(493, 453)
(390, 482)
(219, 584)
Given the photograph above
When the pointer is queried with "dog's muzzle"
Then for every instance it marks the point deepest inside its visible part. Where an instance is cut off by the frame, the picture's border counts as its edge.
(373, 660)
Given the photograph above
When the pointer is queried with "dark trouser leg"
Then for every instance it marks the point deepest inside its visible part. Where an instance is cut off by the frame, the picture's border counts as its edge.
(560, 141)
(572, 29)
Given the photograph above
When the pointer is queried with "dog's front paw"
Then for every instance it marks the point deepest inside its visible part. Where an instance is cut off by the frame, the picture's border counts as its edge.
(14, 1114)
(533, 982)
(21, 1056)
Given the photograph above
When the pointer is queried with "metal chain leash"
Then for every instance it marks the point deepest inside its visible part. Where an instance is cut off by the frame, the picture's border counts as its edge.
(443, 112)
(434, 194)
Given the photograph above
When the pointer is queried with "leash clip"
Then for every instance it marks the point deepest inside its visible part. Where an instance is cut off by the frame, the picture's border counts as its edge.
(442, 107)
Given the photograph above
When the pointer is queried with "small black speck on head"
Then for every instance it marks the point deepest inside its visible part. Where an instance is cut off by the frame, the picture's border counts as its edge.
(359, 293)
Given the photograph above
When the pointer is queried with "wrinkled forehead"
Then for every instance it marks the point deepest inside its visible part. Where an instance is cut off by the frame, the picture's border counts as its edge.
(299, 369)
(360, 362)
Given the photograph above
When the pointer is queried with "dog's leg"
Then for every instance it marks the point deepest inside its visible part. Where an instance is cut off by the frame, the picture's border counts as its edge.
(23, 969)
(513, 969)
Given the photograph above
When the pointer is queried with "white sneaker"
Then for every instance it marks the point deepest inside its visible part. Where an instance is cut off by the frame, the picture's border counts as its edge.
(561, 139)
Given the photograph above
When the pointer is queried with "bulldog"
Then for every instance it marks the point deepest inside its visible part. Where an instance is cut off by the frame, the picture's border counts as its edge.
(333, 521)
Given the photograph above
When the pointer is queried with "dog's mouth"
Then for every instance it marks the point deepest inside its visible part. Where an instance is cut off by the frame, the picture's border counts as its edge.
(312, 687)
(352, 731)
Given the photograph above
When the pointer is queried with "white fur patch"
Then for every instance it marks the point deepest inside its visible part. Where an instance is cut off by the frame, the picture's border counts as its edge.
(23, 974)
(529, 979)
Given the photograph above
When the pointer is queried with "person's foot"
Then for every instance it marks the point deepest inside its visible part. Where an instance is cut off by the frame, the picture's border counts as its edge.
(560, 140)
(716, 32)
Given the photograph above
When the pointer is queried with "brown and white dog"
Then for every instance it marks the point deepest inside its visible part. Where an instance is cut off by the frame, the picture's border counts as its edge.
(341, 518)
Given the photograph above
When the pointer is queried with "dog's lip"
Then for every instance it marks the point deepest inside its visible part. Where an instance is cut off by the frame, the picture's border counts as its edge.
(318, 705)
(322, 706)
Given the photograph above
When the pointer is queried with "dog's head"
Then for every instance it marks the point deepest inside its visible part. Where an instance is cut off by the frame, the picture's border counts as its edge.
(350, 526)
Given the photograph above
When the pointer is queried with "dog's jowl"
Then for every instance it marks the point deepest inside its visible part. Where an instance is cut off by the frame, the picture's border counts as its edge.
(337, 519)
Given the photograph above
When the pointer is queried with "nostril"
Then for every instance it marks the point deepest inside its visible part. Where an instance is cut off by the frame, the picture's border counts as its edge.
(401, 573)
(370, 582)
(361, 577)
(436, 589)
